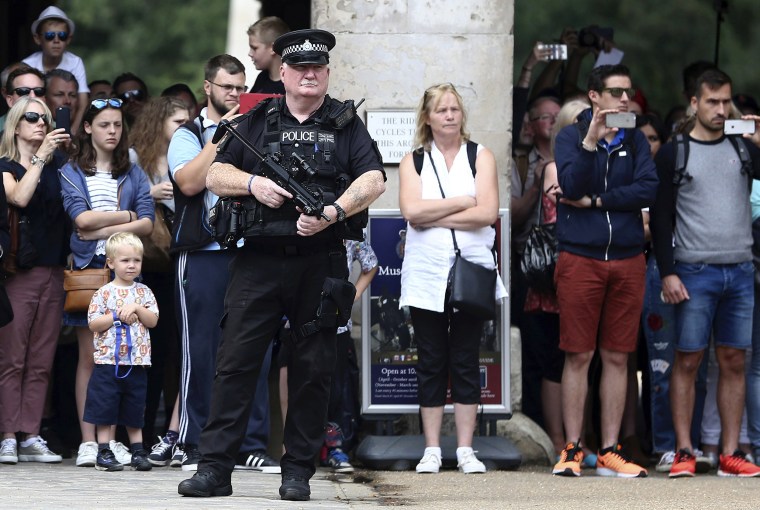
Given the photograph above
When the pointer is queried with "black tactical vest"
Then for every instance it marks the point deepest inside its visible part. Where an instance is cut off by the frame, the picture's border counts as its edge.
(316, 144)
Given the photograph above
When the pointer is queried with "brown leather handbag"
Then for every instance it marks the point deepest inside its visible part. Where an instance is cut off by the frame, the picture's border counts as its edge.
(80, 285)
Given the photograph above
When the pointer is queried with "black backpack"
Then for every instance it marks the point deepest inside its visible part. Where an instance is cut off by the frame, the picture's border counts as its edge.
(682, 158)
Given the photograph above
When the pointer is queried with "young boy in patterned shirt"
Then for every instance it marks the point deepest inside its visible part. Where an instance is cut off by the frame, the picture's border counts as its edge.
(120, 314)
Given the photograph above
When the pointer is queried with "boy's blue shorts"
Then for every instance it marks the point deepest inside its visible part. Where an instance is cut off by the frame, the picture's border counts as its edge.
(113, 401)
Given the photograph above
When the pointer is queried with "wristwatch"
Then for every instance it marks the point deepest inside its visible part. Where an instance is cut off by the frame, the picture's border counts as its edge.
(341, 213)
(36, 160)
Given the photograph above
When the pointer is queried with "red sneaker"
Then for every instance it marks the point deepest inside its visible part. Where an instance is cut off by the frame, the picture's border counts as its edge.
(685, 464)
(737, 465)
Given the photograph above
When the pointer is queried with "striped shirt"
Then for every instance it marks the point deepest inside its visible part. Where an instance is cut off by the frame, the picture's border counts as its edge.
(103, 191)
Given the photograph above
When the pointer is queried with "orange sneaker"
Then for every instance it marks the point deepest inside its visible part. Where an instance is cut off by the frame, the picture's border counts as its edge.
(570, 459)
(613, 462)
(685, 464)
(737, 465)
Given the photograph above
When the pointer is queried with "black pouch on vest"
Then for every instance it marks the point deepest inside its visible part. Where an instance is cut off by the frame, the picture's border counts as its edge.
(227, 220)
(334, 307)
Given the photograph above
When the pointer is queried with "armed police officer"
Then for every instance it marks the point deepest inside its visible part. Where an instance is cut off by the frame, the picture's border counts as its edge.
(292, 263)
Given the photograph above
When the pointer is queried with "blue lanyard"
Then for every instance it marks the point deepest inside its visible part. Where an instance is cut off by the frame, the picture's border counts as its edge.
(121, 327)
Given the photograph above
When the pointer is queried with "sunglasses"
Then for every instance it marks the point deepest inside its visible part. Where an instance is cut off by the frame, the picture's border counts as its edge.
(618, 91)
(99, 104)
(49, 36)
(132, 95)
(34, 117)
(24, 91)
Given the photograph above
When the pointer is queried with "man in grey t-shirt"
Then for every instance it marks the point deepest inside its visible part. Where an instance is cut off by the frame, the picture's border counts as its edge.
(701, 229)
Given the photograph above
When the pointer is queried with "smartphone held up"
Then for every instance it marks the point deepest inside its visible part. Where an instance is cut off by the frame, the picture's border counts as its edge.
(624, 120)
(63, 118)
(554, 51)
(739, 127)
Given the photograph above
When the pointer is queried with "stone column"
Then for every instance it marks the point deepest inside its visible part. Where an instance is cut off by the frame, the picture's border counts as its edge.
(390, 51)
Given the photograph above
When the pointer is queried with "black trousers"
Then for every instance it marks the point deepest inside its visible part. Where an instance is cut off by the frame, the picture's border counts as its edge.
(266, 284)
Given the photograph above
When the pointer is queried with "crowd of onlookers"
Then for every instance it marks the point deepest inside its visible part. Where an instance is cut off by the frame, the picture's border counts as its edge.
(647, 223)
(644, 216)
(81, 162)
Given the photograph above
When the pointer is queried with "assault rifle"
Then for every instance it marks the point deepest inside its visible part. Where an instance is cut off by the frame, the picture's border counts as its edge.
(310, 201)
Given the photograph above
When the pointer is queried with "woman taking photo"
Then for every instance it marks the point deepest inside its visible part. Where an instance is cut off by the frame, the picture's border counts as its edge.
(448, 340)
(103, 193)
(29, 167)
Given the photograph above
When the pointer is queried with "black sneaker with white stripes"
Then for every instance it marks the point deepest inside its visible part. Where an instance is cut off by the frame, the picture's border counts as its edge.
(257, 461)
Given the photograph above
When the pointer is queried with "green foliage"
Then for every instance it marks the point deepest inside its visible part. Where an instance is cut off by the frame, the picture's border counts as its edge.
(659, 39)
(163, 42)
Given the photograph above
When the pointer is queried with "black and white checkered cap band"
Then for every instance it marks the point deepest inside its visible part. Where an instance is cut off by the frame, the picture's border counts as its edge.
(306, 46)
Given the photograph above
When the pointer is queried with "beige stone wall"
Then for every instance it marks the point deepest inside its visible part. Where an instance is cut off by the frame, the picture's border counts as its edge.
(389, 51)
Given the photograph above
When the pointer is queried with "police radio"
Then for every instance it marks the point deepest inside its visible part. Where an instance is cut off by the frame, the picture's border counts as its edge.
(344, 114)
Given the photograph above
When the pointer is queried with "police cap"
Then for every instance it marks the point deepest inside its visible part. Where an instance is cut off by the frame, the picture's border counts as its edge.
(308, 46)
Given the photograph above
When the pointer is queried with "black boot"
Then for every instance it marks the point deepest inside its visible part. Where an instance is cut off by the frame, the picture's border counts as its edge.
(204, 484)
(295, 488)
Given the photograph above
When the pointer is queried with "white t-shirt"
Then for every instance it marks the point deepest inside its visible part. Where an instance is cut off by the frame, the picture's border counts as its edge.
(69, 62)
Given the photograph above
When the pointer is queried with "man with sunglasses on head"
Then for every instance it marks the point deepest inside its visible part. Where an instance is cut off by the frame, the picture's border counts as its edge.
(131, 89)
(53, 31)
(606, 175)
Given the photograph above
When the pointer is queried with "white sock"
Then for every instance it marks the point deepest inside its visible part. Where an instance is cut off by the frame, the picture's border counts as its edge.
(463, 450)
(30, 441)
(435, 450)
(13, 439)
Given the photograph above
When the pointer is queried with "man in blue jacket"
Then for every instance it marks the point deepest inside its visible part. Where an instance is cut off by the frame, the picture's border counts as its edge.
(607, 176)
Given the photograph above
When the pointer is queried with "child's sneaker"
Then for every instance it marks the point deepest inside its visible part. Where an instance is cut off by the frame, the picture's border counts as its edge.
(467, 462)
(87, 454)
(431, 460)
(338, 461)
(8, 451)
(684, 464)
(612, 462)
(140, 461)
(569, 463)
(177, 455)
(106, 461)
(737, 465)
(161, 453)
(37, 451)
(121, 452)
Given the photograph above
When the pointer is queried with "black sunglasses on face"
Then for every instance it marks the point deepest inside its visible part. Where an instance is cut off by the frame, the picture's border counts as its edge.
(132, 95)
(618, 91)
(34, 117)
(24, 91)
(49, 36)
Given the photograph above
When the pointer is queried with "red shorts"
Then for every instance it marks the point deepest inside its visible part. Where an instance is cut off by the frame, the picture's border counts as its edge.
(599, 299)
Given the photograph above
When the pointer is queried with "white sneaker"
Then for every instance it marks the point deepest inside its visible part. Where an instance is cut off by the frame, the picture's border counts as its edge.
(666, 462)
(467, 462)
(431, 460)
(8, 451)
(121, 453)
(87, 454)
(37, 451)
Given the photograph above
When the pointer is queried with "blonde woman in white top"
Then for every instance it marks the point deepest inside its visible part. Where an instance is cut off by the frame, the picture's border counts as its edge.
(448, 341)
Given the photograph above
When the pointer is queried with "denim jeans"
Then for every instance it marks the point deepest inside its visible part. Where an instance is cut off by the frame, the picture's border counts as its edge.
(658, 323)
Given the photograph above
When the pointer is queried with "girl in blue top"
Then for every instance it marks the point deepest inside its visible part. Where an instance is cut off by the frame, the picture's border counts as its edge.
(103, 193)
